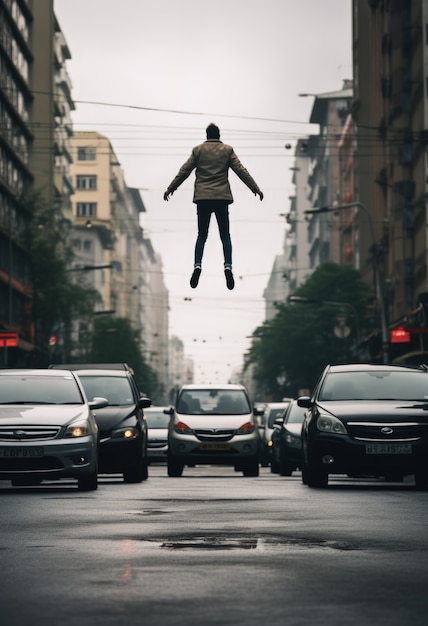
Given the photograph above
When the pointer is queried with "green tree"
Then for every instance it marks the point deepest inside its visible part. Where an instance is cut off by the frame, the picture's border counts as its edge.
(115, 341)
(301, 339)
(57, 300)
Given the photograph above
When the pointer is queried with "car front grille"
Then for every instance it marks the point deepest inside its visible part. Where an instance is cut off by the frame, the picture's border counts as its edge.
(214, 434)
(28, 433)
(156, 443)
(387, 431)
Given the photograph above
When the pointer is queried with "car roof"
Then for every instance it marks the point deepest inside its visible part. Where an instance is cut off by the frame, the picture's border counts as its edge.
(92, 366)
(367, 367)
(36, 372)
(96, 372)
(195, 387)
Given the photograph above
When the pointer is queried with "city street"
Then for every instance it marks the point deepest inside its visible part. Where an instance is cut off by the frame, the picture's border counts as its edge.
(214, 548)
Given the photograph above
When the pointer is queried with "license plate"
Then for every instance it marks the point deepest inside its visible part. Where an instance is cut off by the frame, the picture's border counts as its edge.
(388, 448)
(21, 453)
(214, 446)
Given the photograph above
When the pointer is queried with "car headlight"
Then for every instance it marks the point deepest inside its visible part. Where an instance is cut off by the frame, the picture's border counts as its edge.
(292, 440)
(78, 429)
(330, 424)
(182, 428)
(125, 433)
(246, 429)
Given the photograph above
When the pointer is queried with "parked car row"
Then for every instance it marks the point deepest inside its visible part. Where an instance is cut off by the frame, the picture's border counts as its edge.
(72, 421)
(79, 421)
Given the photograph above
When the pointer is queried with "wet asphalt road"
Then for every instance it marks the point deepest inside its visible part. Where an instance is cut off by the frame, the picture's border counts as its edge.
(214, 548)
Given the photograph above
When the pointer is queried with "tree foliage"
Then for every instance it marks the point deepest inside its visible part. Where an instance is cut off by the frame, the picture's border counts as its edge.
(57, 300)
(115, 341)
(301, 339)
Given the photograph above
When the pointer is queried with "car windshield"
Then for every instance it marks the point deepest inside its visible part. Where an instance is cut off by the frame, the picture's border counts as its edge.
(157, 419)
(116, 389)
(410, 385)
(25, 389)
(273, 414)
(213, 402)
(295, 415)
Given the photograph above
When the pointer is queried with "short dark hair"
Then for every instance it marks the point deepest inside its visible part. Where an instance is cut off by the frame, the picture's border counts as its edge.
(213, 131)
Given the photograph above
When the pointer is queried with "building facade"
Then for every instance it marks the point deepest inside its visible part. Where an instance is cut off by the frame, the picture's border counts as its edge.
(35, 127)
(390, 45)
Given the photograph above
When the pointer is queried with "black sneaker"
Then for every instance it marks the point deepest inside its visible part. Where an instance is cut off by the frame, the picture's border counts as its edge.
(230, 281)
(195, 277)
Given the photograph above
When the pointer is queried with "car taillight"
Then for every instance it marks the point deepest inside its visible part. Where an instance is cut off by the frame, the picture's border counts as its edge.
(245, 429)
(182, 428)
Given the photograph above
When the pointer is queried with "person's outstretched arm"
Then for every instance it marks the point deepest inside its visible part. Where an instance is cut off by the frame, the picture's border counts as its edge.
(184, 172)
(244, 175)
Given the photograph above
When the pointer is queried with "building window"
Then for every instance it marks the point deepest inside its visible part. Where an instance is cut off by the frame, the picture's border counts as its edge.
(86, 153)
(77, 244)
(87, 245)
(86, 209)
(86, 182)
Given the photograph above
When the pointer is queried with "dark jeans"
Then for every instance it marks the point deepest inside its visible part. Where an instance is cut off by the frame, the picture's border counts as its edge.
(220, 208)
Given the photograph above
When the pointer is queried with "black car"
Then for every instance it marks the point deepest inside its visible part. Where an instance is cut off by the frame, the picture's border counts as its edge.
(122, 424)
(366, 420)
(287, 441)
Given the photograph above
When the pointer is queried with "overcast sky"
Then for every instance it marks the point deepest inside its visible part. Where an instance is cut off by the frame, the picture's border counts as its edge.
(151, 75)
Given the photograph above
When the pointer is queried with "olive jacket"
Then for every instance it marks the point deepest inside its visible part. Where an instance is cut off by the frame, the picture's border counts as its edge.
(212, 160)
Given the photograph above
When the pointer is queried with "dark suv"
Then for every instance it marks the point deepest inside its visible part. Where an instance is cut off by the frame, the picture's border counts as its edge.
(122, 425)
(366, 420)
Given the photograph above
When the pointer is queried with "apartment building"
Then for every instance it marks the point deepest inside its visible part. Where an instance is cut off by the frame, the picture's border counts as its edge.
(330, 111)
(35, 126)
(111, 253)
(107, 238)
(390, 42)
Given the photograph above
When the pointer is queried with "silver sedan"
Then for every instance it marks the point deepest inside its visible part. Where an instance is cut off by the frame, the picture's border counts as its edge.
(47, 428)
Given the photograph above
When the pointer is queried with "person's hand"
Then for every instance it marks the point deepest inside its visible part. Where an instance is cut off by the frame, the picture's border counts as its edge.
(167, 194)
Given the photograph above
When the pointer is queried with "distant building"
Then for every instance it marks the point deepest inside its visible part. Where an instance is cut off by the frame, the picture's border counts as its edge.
(297, 243)
(181, 369)
(330, 110)
(110, 249)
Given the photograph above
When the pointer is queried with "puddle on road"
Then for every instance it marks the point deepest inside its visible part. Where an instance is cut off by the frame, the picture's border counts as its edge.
(209, 542)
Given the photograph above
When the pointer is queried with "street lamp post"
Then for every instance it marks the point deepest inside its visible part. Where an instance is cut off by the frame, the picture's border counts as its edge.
(378, 286)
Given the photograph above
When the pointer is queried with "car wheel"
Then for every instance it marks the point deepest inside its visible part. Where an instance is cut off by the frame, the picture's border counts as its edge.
(89, 482)
(136, 473)
(175, 468)
(251, 468)
(274, 466)
(285, 469)
(421, 479)
(313, 475)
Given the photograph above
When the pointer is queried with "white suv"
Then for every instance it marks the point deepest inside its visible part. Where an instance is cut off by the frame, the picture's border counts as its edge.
(213, 425)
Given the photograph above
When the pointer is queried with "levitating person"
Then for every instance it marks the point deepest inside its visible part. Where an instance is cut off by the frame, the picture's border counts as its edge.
(212, 160)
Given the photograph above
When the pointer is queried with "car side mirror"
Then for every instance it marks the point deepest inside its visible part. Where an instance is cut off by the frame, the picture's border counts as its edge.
(169, 410)
(258, 412)
(144, 403)
(304, 402)
(97, 403)
(278, 422)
